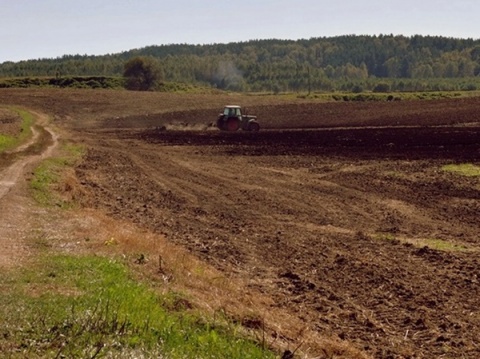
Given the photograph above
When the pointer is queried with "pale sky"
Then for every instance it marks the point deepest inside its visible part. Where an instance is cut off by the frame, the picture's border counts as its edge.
(33, 29)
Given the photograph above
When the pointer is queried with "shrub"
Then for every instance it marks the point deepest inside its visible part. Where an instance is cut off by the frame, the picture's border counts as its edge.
(382, 87)
(357, 89)
(142, 74)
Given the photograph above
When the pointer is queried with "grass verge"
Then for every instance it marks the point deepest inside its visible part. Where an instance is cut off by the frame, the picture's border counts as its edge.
(89, 306)
(8, 142)
(52, 173)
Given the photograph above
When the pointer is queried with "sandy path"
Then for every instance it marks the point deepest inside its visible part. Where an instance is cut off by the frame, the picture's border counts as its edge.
(17, 211)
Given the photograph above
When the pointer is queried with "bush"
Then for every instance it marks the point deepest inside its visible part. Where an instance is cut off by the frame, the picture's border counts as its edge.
(142, 74)
(470, 87)
(93, 84)
(381, 87)
(357, 89)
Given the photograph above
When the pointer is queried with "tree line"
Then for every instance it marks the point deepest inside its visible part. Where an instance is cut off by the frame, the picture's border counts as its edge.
(347, 63)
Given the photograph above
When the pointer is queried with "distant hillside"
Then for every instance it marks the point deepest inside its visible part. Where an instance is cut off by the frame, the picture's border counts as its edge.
(349, 63)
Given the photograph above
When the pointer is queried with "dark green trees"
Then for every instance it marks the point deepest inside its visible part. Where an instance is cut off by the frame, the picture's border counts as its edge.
(343, 63)
(142, 74)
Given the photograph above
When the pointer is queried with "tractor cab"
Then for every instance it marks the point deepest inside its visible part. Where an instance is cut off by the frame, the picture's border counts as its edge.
(232, 119)
(232, 111)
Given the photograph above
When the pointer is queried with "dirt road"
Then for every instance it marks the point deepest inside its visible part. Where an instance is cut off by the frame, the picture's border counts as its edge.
(16, 208)
(359, 232)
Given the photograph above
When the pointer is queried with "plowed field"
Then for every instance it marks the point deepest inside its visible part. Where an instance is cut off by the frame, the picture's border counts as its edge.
(341, 212)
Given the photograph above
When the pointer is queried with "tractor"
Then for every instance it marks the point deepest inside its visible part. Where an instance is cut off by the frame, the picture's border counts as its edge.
(232, 119)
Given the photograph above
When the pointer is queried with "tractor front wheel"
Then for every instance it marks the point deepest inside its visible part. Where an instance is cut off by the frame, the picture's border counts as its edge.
(254, 127)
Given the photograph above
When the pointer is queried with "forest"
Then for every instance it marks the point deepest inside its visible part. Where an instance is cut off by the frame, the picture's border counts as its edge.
(354, 63)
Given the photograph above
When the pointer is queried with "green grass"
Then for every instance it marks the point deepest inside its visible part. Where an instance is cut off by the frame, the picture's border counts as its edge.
(465, 169)
(8, 142)
(27, 121)
(49, 174)
(86, 307)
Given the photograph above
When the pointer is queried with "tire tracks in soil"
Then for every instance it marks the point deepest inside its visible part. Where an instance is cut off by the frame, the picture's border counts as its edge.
(301, 236)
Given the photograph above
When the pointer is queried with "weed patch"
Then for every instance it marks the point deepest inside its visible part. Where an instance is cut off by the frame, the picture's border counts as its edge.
(432, 243)
(465, 169)
(441, 245)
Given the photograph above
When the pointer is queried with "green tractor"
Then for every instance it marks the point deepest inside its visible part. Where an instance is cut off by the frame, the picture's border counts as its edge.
(232, 119)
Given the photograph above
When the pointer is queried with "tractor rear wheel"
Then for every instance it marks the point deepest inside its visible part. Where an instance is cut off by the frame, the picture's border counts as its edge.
(233, 124)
